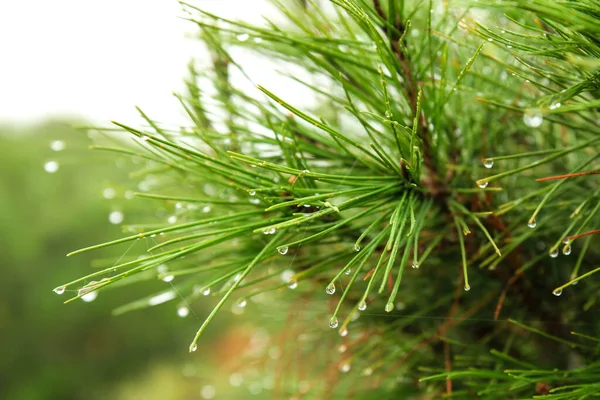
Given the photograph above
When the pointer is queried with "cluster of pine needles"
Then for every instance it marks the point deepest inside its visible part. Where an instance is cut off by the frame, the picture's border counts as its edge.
(425, 202)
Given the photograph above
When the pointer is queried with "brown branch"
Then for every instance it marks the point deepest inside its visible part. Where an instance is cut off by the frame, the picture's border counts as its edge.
(556, 177)
(589, 233)
(448, 365)
(521, 288)
(510, 282)
(432, 180)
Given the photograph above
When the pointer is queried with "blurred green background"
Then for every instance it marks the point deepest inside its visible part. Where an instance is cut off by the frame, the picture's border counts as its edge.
(56, 196)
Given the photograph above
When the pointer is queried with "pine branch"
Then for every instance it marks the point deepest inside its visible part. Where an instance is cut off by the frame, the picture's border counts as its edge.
(383, 173)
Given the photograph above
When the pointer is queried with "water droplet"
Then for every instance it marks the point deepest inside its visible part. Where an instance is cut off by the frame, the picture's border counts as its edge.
(490, 40)
(467, 287)
(348, 271)
(236, 310)
(144, 138)
(342, 348)
(206, 292)
(254, 200)
(566, 250)
(242, 303)
(51, 167)
(236, 379)
(115, 217)
(57, 145)
(144, 186)
(532, 118)
(574, 283)
(109, 193)
(272, 231)
(554, 252)
(368, 371)
(362, 306)
(172, 219)
(415, 265)
(389, 307)
(60, 289)
(252, 192)
(162, 269)
(286, 275)
(183, 311)
(91, 296)
(194, 347)
(532, 223)
(344, 332)
(283, 250)
(292, 284)
(356, 247)
(557, 292)
(168, 278)
(483, 185)
(333, 322)
(161, 298)
(554, 106)
(345, 367)
(330, 289)
(242, 37)
(488, 163)
(208, 392)
(129, 194)
(206, 209)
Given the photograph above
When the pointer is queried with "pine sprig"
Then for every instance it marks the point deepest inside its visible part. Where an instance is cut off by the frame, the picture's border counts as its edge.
(383, 172)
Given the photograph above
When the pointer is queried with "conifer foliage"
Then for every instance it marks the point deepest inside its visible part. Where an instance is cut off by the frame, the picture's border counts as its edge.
(436, 203)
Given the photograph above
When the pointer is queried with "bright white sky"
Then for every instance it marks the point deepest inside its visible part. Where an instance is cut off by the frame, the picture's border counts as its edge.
(97, 59)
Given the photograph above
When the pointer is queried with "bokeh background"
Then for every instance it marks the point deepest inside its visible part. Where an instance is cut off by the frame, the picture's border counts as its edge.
(69, 64)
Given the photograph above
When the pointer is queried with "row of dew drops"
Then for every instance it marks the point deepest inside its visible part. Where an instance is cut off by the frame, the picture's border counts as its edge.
(330, 289)
(533, 118)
